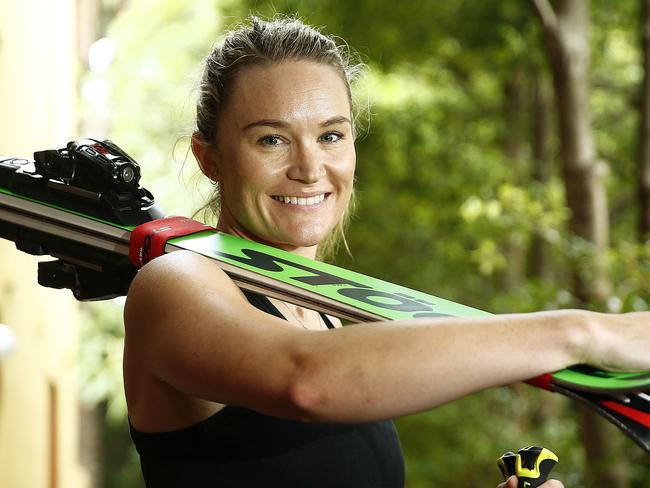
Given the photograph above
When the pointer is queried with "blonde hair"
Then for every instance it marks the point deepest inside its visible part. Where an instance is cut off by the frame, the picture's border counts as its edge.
(263, 42)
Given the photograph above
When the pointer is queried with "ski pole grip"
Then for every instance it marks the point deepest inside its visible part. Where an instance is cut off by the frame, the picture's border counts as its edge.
(531, 465)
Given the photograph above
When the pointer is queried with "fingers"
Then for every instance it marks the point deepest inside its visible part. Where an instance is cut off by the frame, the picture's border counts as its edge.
(512, 483)
(552, 484)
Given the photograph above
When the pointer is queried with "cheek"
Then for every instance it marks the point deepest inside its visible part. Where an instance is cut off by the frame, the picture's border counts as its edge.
(242, 178)
(345, 171)
(255, 171)
(350, 160)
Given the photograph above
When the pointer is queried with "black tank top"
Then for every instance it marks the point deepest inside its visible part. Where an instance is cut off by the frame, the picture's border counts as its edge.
(238, 447)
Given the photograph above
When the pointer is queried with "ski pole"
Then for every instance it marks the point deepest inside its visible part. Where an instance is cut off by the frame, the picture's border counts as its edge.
(531, 465)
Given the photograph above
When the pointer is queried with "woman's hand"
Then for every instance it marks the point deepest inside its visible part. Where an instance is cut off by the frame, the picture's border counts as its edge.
(512, 483)
(620, 342)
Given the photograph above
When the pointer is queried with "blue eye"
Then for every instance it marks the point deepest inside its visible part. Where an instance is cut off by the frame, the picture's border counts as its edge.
(270, 140)
(331, 137)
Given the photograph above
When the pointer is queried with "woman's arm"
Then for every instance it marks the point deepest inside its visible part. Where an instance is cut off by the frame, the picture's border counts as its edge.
(192, 328)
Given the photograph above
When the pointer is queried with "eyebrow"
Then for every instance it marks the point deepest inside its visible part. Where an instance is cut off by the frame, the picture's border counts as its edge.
(339, 119)
(336, 120)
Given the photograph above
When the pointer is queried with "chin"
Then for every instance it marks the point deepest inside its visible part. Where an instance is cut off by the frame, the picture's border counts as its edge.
(305, 242)
(306, 237)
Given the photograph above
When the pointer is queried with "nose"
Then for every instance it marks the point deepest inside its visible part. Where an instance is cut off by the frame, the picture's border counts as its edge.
(307, 164)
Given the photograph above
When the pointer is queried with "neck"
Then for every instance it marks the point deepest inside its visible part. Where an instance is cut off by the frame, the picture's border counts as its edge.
(231, 227)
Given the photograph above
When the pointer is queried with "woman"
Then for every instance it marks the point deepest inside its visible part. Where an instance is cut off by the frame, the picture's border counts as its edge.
(226, 388)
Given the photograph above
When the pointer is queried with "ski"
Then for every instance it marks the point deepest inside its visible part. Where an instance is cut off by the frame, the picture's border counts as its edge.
(81, 204)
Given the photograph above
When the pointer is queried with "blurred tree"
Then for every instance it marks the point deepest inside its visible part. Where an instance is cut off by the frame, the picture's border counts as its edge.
(567, 34)
(566, 29)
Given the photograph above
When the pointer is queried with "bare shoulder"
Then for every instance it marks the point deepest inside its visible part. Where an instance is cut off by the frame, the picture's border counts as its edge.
(175, 299)
(161, 308)
(174, 271)
(191, 335)
(175, 281)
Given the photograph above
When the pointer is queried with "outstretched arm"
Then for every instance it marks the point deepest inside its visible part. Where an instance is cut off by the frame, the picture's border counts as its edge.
(192, 328)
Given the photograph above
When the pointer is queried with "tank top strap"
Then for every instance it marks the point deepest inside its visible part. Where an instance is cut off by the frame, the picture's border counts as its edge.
(262, 302)
(327, 320)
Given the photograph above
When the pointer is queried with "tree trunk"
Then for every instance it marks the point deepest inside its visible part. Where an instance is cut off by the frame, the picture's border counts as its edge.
(567, 36)
(566, 30)
(644, 136)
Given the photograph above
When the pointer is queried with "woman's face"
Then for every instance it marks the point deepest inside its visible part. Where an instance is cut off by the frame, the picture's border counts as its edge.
(284, 155)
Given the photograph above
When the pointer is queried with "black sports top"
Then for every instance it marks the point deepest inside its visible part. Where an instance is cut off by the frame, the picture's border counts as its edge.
(238, 447)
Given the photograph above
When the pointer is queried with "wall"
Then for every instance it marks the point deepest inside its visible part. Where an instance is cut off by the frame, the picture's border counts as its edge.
(39, 411)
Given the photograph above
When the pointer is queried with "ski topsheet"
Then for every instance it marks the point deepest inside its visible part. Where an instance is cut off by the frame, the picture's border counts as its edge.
(80, 204)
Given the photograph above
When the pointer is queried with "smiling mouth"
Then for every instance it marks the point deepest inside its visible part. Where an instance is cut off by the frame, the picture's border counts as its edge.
(301, 201)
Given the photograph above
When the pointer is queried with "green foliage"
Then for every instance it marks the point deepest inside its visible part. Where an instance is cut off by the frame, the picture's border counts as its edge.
(152, 80)
(616, 78)
(102, 339)
(457, 444)
(630, 271)
(514, 215)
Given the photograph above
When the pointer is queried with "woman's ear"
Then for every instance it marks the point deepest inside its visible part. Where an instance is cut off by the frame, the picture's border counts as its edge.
(206, 157)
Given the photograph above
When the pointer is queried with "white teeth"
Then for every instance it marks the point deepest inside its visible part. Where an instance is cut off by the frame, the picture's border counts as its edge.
(315, 200)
